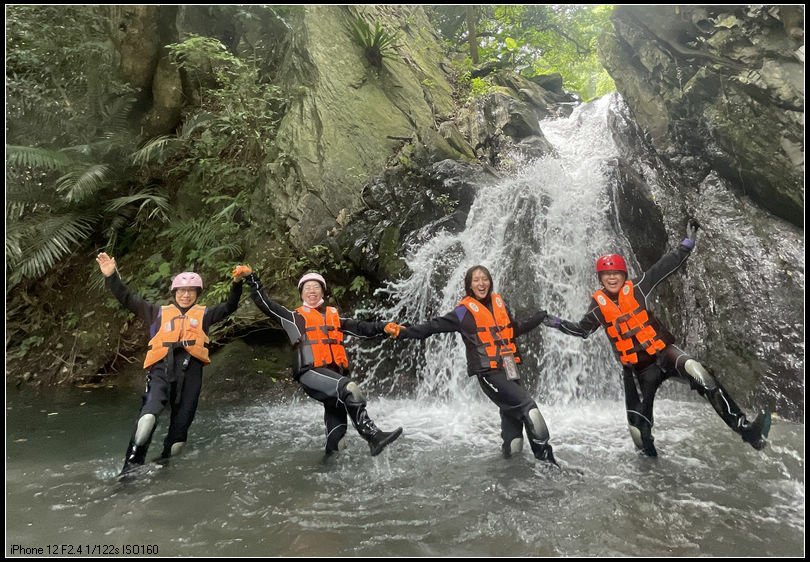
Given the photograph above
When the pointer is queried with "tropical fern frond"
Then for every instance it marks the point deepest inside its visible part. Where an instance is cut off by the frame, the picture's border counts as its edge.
(232, 250)
(198, 121)
(31, 157)
(77, 185)
(151, 203)
(46, 240)
(116, 115)
(157, 148)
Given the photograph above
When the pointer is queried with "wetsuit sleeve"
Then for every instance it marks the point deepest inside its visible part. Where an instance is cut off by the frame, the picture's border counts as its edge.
(523, 326)
(589, 324)
(221, 311)
(448, 323)
(144, 310)
(265, 304)
(663, 268)
(361, 328)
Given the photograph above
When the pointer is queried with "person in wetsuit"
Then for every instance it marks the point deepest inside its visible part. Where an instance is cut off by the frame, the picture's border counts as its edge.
(178, 351)
(489, 332)
(316, 332)
(647, 350)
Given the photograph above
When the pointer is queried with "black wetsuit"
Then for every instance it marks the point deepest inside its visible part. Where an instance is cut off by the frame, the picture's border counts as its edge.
(512, 399)
(328, 384)
(641, 381)
(179, 384)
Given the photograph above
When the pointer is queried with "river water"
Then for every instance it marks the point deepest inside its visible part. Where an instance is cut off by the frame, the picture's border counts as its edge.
(254, 483)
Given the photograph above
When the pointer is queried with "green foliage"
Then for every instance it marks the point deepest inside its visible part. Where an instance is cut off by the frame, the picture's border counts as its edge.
(225, 140)
(376, 43)
(67, 130)
(537, 39)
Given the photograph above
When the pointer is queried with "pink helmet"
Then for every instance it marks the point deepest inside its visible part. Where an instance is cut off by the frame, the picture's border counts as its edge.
(187, 279)
(312, 276)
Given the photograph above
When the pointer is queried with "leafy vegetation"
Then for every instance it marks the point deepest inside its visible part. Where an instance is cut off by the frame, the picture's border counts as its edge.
(534, 39)
(376, 43)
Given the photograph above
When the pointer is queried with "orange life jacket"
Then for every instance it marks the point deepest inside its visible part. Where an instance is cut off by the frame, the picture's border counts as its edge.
(322, 341)
(628, 325)
(178, 330)
(495, 332)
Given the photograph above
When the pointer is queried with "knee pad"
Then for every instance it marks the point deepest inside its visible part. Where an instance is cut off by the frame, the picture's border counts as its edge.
(354, 394)
(177, 447)
(700, 374)
(635, 434)
(515, 446)
(640, 429)
(146, 425)
(536, 426)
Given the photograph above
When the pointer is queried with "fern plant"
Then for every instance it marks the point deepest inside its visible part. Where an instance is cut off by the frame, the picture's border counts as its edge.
(376, 43)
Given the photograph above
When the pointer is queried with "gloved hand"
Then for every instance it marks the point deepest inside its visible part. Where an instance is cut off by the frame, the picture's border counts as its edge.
(552, 321)
(691, 229)
(240, 272)
(392, 329)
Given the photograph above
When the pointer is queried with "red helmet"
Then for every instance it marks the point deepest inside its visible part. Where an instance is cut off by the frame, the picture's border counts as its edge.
(611, 262)
(187, 279)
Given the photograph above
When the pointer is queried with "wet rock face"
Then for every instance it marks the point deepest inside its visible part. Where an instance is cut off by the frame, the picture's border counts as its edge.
(720, 88)
(407, 205)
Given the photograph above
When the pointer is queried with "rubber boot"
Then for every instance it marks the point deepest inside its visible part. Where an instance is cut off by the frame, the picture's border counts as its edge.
(543, 453)
(135, 457)
(755, 433)
(381, 439)
(376, 438)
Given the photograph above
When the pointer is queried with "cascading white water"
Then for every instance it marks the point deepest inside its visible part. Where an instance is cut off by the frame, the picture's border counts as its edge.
(539, 233)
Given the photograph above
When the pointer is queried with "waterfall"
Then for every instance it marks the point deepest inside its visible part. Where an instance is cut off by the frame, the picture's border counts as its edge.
(539, 233)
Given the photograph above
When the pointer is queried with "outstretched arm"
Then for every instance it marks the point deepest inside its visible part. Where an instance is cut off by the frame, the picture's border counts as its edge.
(589, 324)
(361, 328)
(450, 322)
(524, 326)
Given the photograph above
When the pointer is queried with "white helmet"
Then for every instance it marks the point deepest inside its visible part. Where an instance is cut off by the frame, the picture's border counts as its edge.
(312, 276)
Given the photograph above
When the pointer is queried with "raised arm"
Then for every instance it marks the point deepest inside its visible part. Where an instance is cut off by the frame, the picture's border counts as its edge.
(669, 263)
(128, 299)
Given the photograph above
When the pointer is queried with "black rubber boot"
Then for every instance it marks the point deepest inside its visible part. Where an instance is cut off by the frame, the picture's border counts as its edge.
(755, 433)
(381, 439)
(135, 457)
(376, 438)
(543, 453)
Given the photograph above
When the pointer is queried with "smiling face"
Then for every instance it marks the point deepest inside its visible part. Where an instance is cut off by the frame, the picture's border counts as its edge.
(185, 297)
(480, 284)
(612, 281)
(311, 293)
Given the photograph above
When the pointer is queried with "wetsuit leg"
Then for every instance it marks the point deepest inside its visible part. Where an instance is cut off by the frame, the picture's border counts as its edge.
(517, 409)
(334, 417)
(640, 408)
(183, 412)
(335, 390)
(154, 399)
(703, 381)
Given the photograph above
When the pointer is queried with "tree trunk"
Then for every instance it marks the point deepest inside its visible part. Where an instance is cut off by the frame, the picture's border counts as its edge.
(473, 39)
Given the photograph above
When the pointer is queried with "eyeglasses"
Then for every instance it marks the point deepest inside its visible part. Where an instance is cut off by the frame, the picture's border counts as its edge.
(186, 291)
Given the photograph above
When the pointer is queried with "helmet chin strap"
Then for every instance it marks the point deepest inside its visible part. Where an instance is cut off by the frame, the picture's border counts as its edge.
(320, 302)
